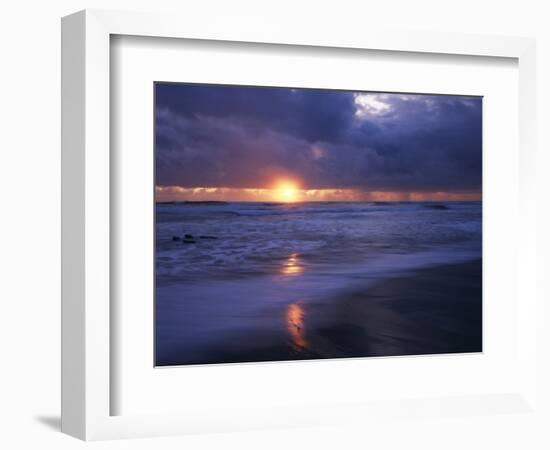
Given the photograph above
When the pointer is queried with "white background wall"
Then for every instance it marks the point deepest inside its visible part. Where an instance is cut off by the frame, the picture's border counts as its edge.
(30, 188)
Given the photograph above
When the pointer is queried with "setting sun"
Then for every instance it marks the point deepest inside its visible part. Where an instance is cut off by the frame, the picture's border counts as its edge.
(286, 191)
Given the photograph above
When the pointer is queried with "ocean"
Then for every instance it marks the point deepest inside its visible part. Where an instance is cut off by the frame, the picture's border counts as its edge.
(251, 282)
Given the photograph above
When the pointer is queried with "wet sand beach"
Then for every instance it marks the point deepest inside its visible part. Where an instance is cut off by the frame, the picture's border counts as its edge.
(426, 311)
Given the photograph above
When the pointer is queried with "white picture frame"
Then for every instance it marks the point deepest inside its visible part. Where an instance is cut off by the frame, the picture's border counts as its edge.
(86, 218)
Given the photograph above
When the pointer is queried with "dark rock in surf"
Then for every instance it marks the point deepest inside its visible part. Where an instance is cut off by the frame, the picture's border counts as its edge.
(208, 237)
(188, 236)
(176, 238)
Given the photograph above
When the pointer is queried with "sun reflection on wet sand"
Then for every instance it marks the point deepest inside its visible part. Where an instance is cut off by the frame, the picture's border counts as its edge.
(295, 323)
(292, 265)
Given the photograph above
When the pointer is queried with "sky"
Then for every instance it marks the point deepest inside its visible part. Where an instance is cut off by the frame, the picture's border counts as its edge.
(240, 143)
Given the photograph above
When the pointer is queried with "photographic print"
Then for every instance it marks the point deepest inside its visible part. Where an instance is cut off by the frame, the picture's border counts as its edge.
(299, 224)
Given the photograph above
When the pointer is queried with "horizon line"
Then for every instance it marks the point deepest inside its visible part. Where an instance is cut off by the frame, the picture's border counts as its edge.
(292, 193)
(317, 201)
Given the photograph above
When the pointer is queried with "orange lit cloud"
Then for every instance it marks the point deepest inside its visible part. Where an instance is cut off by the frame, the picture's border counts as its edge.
(293, 194)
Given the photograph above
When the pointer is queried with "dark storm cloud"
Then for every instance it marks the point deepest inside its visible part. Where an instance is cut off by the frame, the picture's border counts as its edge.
(308, 113)
(246, 137)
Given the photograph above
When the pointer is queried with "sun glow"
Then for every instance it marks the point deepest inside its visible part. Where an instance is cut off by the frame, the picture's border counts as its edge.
(291, 191)
(286, 191)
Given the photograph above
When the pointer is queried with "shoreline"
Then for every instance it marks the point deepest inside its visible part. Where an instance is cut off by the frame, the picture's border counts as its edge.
(435, 310)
